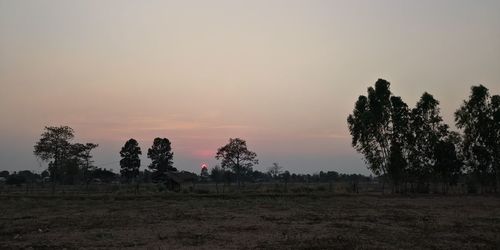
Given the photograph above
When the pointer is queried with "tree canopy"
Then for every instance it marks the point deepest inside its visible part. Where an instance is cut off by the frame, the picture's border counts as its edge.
(478, 117)
(130, 162)
(161, 156)
(66, 160)
(236, 157)
(402, 144)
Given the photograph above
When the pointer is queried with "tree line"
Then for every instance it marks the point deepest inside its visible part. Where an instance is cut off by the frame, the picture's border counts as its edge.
(72, 163)
(215, 175)
(413, 147)
(69, 163)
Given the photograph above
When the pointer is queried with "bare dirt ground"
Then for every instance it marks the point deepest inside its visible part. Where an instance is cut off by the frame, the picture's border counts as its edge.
(248, 222)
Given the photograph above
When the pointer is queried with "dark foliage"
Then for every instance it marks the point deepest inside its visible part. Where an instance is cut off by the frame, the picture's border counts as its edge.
(161, 156)
(236, 157)
(130, 162)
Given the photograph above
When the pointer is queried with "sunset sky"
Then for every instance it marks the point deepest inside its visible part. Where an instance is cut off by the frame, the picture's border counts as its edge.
(283, 75)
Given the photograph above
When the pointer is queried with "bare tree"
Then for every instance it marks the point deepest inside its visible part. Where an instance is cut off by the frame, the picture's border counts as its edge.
(275, 170)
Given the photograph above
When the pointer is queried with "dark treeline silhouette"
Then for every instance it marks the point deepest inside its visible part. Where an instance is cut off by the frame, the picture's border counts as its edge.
(216, 175)
(71, 163)
(414, 148)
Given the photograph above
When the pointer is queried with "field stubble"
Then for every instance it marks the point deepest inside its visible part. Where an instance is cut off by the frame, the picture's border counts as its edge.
(247, 222)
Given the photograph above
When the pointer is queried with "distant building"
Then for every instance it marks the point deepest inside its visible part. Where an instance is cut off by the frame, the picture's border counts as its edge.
(177, 181)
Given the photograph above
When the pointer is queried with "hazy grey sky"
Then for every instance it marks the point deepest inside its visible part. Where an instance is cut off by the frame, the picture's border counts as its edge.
(282, 75)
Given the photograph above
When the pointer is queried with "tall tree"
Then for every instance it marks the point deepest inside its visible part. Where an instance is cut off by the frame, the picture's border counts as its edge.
(84, 159)
(428, 130)
(55, 147)
(130, 162)
(66, 161)
(476, 116)
(377, 120)
(401, 138)
(236, 157)
(161, 156)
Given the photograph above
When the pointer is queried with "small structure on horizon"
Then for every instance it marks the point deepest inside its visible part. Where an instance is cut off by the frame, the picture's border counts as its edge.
(177, 181)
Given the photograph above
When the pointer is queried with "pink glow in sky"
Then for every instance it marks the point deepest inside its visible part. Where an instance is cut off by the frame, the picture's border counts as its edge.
(282, 75)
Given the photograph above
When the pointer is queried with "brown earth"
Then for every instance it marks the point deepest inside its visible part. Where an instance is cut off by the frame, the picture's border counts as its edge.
(264, 222)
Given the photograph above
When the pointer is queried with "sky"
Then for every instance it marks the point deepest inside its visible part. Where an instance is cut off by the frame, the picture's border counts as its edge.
(282, 75)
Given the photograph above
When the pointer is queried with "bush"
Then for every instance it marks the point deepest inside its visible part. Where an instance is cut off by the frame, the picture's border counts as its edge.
(15, 180)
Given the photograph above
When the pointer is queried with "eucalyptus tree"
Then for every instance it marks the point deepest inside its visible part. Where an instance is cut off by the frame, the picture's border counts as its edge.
(478, 117)
(401, 138)
(379, 125)
(428, 130)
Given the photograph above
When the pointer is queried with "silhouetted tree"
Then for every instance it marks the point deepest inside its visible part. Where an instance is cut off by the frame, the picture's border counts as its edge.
(82, 156)
(236, 157)
(478, 117)
(428, 130)
(130, 162)
(401, 139)
(161, 156)
(373, 128)
(274, 170)
(54, 147)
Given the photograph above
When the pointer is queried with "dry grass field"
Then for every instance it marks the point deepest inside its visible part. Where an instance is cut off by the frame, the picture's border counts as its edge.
(249, 221)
